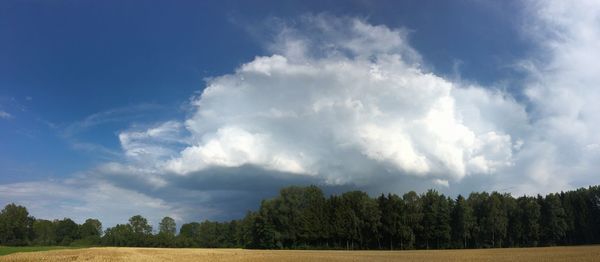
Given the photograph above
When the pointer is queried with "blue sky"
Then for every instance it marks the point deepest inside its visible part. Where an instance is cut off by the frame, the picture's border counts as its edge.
(457, 95)
(67, 60)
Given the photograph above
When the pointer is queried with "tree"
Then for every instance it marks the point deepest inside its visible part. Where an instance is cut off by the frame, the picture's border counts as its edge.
(463, 221)
(245, 233)
(190, 230)
(90, 232)
(140, 225)
(411, 219)
(313, 224)
(436, 219)
(428, 202)
(91, 228)
(496, 221)
(362, 218)
(301, 217)
(142, 231)
(338, 228)
(553, 220)
(264, 232)
(44, 232)
(529, 217)
(167, 226)
(16, 226)
(119, 235)
(66, 231)
(391, 217)
(442, 229)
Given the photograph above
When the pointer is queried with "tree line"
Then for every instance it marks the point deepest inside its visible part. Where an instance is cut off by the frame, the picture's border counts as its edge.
(304, 218)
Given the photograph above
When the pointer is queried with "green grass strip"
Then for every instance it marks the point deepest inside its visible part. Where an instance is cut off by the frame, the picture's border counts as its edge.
(9, 250)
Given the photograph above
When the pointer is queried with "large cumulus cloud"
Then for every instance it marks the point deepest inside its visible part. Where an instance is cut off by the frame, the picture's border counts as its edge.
(339, 105)
(562, 88)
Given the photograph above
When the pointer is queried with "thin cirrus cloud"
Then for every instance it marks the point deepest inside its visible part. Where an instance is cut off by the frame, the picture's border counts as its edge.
(5, 115)
(347, 104)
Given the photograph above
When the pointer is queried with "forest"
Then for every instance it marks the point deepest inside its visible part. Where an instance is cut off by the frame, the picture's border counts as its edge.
(304, 218)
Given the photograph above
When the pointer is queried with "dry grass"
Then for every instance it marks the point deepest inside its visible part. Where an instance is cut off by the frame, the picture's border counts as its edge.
(579, 253)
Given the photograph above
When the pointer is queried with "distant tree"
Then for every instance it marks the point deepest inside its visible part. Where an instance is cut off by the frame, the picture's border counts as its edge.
(166, 234)
(167, 226)
(593, 222)
(553, 220)
(246, 230)
(90, 232)
(411, 219)
(66, 231)
(478, 202)
(16, 226)
(336, 227)
(362, 218)
(443, 229)
(463, 221)
(431, 212)
(301, 217)
(530, 217)
(285, 210)
(209, 234)
(264, 232)
(44, 232)
(190, 231)
(436, 219)
(119, 235)
(140, 225)
(91, 227)
(313, 216)
(496, 220)
(142, 231)
(233, 228)
(391, 218)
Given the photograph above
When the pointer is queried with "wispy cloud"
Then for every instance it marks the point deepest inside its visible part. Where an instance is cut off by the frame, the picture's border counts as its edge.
(121, 114)
(73, 132)
(5, 115)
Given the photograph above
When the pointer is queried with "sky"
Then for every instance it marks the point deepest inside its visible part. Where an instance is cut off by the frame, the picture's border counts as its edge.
(199, 109)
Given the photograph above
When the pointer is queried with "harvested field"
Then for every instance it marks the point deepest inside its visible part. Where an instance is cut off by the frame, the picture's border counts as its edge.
(579, 253)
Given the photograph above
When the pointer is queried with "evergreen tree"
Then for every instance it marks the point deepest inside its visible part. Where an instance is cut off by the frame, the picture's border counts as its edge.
(529, 211)
(553, 220)
(463, 221)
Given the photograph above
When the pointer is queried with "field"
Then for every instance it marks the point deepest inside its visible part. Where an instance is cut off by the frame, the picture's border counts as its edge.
(579, 253)
(10, 250)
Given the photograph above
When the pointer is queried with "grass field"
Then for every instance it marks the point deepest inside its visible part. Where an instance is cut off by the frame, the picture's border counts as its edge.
(579, 253)
(10, 250)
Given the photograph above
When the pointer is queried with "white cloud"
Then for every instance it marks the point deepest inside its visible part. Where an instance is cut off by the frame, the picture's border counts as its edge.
(153, 144)
(361, 100)
(563, 88)
(232, 147)
(82, 199)
(5, 115)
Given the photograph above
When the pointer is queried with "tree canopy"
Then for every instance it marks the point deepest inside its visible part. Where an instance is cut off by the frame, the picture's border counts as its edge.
(303, 217)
